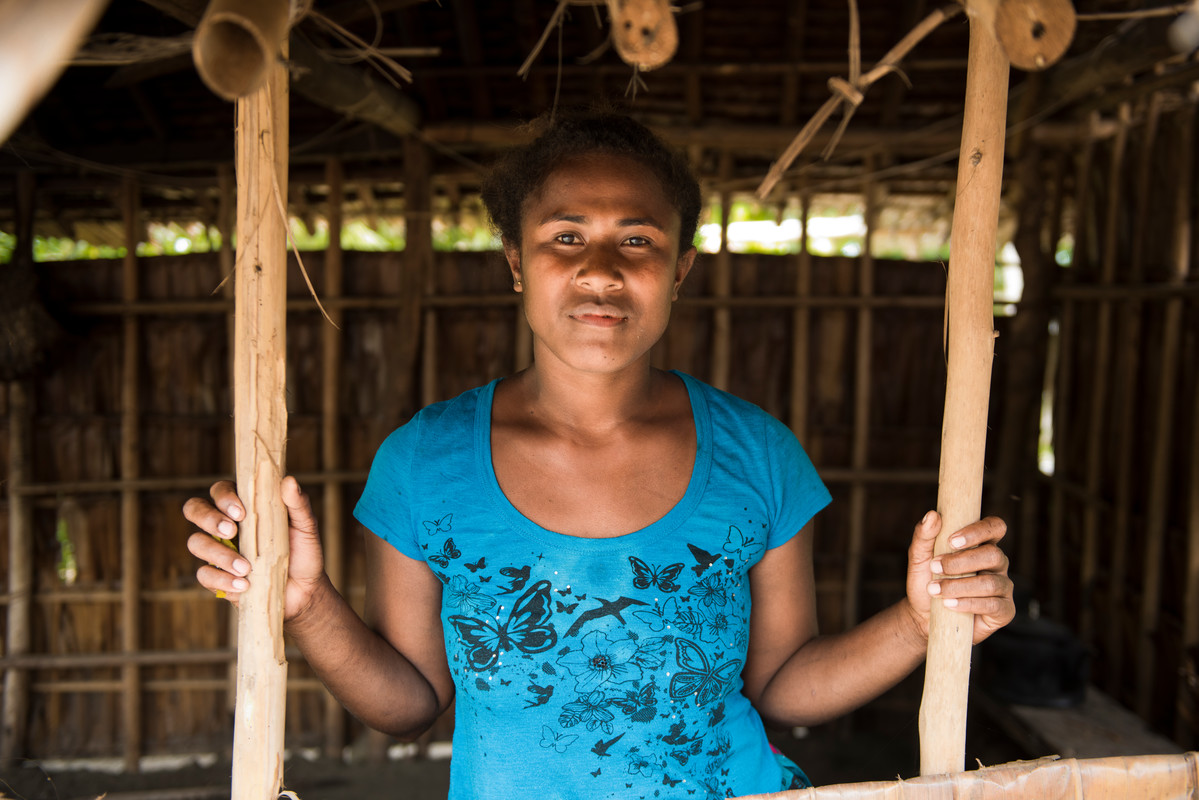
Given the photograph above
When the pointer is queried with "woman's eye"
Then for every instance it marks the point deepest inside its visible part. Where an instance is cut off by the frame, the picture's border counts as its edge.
(637, 241)
(567, 238)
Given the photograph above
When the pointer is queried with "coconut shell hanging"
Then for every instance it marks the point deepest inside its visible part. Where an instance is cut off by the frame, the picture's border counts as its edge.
(644, 32)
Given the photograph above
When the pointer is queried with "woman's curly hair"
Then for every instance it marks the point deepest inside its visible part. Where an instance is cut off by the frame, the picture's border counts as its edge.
(521, 172)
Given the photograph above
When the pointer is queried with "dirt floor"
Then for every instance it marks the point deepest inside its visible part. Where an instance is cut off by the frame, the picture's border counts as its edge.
(880, 746)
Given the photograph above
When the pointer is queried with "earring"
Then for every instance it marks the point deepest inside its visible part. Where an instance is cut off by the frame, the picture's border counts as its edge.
(516, 284)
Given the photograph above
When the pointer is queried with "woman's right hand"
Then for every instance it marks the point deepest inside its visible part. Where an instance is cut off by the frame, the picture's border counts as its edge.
(226, 571)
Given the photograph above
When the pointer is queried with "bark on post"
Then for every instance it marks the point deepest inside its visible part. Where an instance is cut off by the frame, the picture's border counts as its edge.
(260, 426)
(970, 346)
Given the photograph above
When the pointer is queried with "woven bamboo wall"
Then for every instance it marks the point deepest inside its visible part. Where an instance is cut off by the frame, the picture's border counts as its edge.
(77, 665)
(1118, 560)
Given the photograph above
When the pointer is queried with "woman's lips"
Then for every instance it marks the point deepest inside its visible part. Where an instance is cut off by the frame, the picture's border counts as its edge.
(599, 316)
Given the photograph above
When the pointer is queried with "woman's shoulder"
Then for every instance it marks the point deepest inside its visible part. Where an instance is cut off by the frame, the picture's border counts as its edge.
(454, 417)
(726, 407)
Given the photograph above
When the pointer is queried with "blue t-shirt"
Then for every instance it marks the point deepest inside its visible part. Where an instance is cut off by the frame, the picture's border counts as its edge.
(598, 667)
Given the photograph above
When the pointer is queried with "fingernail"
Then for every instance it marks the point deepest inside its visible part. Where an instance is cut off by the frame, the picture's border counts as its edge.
(950, 602)
(240, 584)
(927, 518)
(241, 566)
(226, 528)
(958, 541)
(236, 512)
(936, 566)
(934, 588)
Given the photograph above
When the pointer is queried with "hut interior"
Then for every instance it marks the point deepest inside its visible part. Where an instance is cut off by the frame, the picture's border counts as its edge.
(821, 300)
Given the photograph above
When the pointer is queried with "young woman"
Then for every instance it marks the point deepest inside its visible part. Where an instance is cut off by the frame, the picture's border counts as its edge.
(606, 565)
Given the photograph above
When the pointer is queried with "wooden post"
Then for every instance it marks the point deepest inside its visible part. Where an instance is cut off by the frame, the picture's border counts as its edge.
(970, 331)
(18, 636)
(260, 427)
(131, 705)
(333, 535)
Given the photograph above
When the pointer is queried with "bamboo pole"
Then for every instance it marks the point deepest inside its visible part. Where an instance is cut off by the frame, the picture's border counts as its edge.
(1160, 478)
(722, 276)
(260, 425)
(18, 633)
(226, 213)
(1127, 430)
(860, 445)
(36, 44)
(801, 328)
(18, 636)
(970, 347)
(1188, 714)
(131, 706)
(331, 340)
(1063, 387)
(1096, 440)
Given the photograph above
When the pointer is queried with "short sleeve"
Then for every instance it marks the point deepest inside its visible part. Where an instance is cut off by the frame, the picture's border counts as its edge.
(385, 506)
(798, 491)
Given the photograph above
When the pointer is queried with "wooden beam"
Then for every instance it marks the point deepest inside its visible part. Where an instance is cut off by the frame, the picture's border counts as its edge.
(970, 348)
(260, 425)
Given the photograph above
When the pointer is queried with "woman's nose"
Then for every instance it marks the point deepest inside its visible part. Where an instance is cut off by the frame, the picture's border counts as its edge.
(599, 273)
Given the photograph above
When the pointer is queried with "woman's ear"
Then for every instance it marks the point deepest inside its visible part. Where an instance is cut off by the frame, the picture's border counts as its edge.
(512, 254)
(685, 263)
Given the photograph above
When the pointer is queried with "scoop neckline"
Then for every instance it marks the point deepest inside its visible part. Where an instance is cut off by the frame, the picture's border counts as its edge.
(664, 525)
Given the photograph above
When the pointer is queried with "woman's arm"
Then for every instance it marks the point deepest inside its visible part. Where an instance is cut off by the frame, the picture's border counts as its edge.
(796, 677)
(389, 671)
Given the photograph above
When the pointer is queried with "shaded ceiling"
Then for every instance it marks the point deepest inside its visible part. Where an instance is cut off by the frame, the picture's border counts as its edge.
(747, 75)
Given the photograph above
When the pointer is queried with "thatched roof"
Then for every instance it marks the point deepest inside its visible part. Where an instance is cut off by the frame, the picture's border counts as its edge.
(747, 75)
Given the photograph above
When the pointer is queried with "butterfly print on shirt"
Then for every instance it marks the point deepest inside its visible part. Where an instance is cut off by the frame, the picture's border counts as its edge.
(527, 629)
(645, 576)
(697, 677)
(448, 552)
(439, 526)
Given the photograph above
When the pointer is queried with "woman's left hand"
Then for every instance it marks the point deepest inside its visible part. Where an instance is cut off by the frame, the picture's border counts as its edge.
(986, 593)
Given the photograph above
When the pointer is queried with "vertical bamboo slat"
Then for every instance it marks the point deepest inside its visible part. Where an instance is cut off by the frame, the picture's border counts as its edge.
(20, 572)
(1188, 712)
(801, 328)
(722, 277)
(1126, 428)
(861, 412)
(1102, 361)
(1160, 472)
(18, 633)
(131, 706)
(333, 535)
(226, 213)
(969, 311)
(1063, 394)
(260, 428)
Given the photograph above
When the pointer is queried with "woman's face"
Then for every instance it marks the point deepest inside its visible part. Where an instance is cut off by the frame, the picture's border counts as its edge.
(598, 263)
